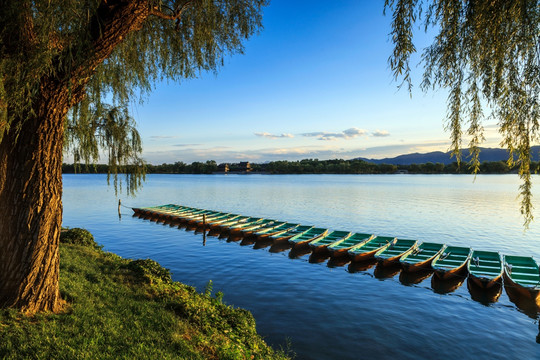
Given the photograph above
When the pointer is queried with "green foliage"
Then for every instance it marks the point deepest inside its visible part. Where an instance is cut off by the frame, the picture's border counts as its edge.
(112, 316)
(486, 54)
(59, 42)
(149, 271)
(112, 129)
(78, 236)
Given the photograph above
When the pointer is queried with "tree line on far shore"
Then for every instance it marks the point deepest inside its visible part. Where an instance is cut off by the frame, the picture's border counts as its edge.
(310, 166)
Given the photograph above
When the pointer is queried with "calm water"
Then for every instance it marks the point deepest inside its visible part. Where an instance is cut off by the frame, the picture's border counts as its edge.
(334, 312)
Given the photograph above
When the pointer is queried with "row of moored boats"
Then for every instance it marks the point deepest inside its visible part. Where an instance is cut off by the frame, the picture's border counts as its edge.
(485, 268)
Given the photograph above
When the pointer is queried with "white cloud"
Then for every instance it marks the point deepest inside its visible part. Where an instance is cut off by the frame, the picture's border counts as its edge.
(272, 136)
(186, 145)
(159, 137)
(380, 133)
(345, 134)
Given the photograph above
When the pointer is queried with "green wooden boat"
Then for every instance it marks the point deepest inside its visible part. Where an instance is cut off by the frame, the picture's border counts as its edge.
(485, 268)
(248, 230)
(308, 236)
(284, 236)
(178, 215)
(280, 229)
(194, 216)
(237, 228)
(209, 216)
(521, 273)
(266, 229)
(395, 250)
(367, 249)
(322, 242)
(451, 262)
(421, 257)
(340, 247)
(215, 223)
(226, 224)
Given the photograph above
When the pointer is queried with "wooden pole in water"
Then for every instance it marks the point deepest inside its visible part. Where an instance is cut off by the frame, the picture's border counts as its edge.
(119, 205)
(204, 229)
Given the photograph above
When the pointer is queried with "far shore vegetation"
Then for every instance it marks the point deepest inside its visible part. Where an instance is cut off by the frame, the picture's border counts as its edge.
(312, 166)
(129, 309)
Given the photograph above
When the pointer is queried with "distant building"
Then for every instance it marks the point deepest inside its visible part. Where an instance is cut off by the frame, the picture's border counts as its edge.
(245, 166)
(223, 168)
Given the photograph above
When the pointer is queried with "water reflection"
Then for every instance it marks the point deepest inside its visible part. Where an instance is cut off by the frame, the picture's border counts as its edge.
(318, 257)
(523, 300)
(357, 266)
(263, 243)
(277, 247)
(247, 241)
(445, 286)
(299, 251)
(412, 278)
(386, 271)
(338, 261)
(484, 296)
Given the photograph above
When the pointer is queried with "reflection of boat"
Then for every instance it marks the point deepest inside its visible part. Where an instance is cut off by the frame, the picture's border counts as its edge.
(484, 295)
(338, 261)
(395, 250)
(485, 268)
(318, 257)
(247, 241)
(299, 251)
(263, 244)
(286, 235)
(386, 272)
(277, 247)
(308, 236)
(421, 256)
(363, 265)
(367, 249)
(524, 303)
(444, 286)
(414, 277)
(322, 242)
(521, 273)
(340, 248)
(451, 262)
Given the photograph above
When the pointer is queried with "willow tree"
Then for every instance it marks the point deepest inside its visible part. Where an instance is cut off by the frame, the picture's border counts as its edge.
(60, 57)
(487, 54)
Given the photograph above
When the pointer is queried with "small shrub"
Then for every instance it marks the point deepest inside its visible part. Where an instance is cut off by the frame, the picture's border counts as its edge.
(78, 236)
(150, 271)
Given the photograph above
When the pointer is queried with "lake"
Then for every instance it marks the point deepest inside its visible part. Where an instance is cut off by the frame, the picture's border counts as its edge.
(328, 311)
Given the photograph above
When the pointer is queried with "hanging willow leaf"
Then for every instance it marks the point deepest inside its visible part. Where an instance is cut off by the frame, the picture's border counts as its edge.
(487, 54)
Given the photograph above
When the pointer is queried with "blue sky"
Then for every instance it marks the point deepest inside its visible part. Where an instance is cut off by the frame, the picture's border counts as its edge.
(314, 83)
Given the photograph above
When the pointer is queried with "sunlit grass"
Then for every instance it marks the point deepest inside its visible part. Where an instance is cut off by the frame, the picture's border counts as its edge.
(122, 309)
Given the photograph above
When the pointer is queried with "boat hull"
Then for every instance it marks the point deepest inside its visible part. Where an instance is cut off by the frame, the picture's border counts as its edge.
(530, 295)
(459, 271)
(484, 282)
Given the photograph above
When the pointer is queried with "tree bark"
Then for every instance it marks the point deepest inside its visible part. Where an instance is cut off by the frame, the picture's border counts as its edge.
(31, 169)
(31, 208)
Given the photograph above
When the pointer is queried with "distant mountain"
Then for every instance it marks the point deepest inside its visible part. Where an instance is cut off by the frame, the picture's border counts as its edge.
(486, 154)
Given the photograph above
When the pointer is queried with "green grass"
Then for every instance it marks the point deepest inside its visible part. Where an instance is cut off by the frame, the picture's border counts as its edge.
(123, 309)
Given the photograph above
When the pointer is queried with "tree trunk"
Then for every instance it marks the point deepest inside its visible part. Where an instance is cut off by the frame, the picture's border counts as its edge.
(31, 167)
(31, 207)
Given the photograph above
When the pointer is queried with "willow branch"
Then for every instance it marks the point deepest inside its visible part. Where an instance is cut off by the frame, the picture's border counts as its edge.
(174, 16)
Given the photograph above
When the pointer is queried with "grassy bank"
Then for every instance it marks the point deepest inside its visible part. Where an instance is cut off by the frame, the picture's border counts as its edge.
(118, 308)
